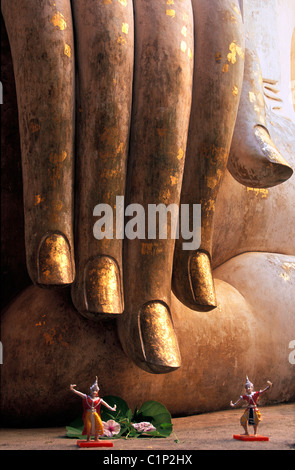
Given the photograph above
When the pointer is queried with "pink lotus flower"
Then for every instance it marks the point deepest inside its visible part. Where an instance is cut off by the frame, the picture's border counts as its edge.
(111, 428)
(144, 426)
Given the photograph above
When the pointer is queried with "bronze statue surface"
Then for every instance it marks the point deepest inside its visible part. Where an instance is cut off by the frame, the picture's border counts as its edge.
(160, 103)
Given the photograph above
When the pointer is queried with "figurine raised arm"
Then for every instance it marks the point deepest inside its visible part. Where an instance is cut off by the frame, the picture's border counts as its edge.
(91, 415)
(251, 415)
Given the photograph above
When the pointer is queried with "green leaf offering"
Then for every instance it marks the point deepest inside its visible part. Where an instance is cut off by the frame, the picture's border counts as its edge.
(158, 415)
(152, 419)
(121, 411)
(75, 429)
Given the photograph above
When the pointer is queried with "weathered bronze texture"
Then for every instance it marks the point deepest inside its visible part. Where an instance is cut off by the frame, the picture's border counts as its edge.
(105, 40)
(218, 78)
(102, 287)
(54, 261)
(254, 159)
(153, 345)
(202, 283)
(160, 117)
(138, 99)
(248, 325)
(159, 343)
(42, 47)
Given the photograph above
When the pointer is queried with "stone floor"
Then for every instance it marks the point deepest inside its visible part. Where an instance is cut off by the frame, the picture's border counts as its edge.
(210, 431)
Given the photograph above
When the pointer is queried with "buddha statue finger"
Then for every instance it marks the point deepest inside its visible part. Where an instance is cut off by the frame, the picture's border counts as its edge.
(42, 47)
(105, 52)
(218, 76)
(160, 116)
(254, 159)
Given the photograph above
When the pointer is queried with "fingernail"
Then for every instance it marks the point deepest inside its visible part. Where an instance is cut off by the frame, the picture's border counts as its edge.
(54, 261)
(158, 338)
(201, 280)
(102, 286)
(271, 155)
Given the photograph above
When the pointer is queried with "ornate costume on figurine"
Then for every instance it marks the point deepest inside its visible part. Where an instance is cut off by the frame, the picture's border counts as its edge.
(91, 412)
(251, 415)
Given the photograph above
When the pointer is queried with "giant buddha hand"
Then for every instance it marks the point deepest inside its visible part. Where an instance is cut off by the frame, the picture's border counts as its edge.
(136, 99)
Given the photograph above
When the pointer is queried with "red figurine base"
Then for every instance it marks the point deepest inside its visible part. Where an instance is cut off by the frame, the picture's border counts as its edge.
(250, 437)
(98, 443)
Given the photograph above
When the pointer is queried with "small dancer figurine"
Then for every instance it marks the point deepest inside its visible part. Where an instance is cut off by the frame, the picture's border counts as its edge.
(251, 415)
(91, 415)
